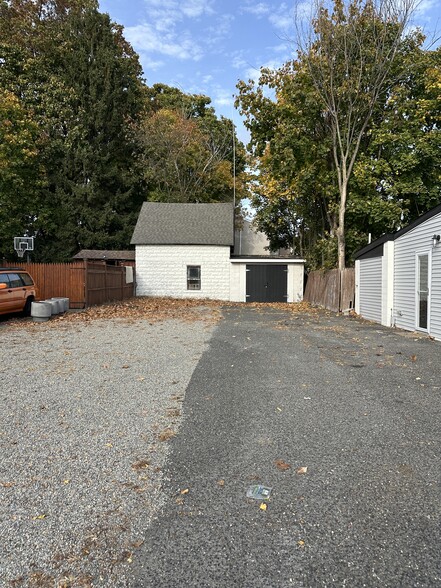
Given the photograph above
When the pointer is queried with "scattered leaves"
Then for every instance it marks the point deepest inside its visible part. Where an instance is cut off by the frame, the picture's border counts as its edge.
(166, 435)
(282, 465)
(142, 464)
(156, 310)
(6, 484)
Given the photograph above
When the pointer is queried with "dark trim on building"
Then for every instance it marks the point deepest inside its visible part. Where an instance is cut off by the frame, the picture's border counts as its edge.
(367, 251)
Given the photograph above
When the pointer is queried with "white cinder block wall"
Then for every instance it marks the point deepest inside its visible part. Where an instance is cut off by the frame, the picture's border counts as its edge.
(161, 270)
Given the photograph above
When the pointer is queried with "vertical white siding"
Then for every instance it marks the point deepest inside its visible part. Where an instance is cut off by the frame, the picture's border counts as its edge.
(417, 241)
(370, 288)
(387, 284)
(238, 282)
(357, 286)
(161, 270)
(435, 292)
(295, 282)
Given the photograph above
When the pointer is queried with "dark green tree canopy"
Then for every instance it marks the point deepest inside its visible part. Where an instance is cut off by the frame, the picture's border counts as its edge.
(85, 141)
(348, 144)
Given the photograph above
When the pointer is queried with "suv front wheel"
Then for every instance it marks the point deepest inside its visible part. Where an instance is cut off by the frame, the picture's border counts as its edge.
(28, 306)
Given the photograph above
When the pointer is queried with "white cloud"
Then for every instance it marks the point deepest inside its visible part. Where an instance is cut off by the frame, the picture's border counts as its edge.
(222, 98)
(168, 29)
(259, 10)
(425, 6)
(146, 39)
(195, 8)
(219, 31)
(170, 12)
(239, 62)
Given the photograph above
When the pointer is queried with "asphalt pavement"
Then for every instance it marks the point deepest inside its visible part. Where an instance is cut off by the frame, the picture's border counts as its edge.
(341, 419)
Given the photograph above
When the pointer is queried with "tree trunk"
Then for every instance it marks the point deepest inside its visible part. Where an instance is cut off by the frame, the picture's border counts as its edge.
(341, 240)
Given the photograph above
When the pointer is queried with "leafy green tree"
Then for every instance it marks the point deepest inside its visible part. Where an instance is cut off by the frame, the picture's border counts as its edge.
(403, 151)
(73, 70)
(20, 172)
(351, 56)
(321, 133)
(294, 192)
(188, 154)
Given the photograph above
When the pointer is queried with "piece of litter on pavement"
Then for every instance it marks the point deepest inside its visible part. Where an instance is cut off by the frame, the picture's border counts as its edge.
(259, 492)
(307, 398)
(279, 409)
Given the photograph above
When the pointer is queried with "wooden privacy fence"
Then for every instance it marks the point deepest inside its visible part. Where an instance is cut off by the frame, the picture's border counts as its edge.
(85, 283)
(332, 289)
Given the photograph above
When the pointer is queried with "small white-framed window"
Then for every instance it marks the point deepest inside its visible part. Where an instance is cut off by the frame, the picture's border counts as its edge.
(193, 277)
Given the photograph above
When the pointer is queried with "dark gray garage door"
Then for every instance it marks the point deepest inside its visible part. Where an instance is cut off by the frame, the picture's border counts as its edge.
(267, 283)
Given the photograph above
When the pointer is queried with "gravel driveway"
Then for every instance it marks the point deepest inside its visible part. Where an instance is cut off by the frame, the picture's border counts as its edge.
(338, 416)
(87, 410)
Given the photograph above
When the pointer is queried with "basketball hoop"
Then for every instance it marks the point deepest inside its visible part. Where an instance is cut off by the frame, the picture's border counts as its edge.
(22, 244)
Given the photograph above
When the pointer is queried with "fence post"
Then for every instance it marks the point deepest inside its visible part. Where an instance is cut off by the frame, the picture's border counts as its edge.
(340, 285)
(86, 283)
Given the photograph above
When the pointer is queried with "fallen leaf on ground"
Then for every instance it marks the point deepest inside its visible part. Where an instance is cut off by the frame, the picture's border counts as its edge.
(413, 357)
(282, 465)
(166, 434)
(301, 543)
(301, 470)
(263, 506)
(185, 491)
(39, 517)
(142, 464)
(221, 482)
(7, 484)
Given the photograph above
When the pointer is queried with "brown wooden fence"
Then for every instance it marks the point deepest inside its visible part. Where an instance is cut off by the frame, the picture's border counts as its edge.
(332, 289)
(85, 283)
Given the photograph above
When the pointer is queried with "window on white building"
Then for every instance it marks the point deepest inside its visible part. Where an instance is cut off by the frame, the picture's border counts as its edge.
(193, 277)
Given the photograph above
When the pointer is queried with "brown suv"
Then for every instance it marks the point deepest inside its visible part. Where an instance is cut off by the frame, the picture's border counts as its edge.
(17, 291)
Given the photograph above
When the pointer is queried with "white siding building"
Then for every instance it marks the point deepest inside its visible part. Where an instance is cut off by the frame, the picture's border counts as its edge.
(187, 251)
(398, 277)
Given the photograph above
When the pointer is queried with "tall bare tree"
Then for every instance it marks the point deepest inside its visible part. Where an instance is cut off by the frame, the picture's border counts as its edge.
(351, 53)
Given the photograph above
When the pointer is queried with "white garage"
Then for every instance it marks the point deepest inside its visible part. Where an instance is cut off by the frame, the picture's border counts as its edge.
(398, 277)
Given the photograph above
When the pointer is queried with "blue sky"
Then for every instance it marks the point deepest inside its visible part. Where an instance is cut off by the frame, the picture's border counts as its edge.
(206, 46)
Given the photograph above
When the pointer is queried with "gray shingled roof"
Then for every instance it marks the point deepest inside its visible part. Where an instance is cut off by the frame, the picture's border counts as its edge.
(105, 254)
(162, 223)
